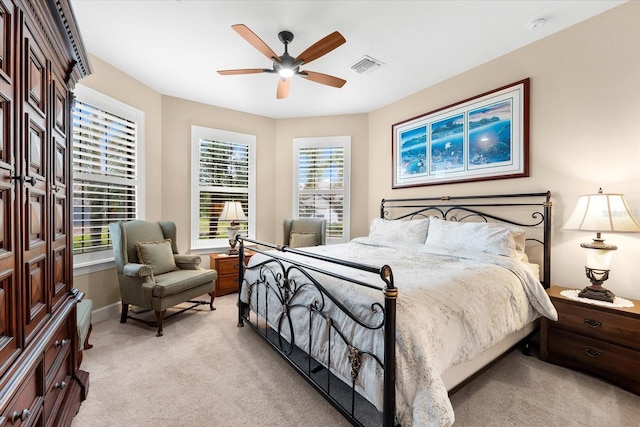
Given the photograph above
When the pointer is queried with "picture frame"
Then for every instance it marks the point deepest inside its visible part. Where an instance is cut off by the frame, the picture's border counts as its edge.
(485, 137)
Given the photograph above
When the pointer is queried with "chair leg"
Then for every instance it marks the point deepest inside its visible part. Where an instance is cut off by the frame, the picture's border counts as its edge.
(124, 313)
(213, 295)
(87, 346)
(160, 317)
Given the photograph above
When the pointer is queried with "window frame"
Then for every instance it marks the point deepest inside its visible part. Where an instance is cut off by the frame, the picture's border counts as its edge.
(211, 134)
(101, 260)
(323, 142)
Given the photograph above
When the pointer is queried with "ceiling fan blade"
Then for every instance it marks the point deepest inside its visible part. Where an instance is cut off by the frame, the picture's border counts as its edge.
(241, 71)
(283, 88)
(324, 79)
(255, 41)
(321, 47)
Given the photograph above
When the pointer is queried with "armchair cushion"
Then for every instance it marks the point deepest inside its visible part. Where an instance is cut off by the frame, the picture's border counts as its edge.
(178, 281)
(157, 255)
(303, 240)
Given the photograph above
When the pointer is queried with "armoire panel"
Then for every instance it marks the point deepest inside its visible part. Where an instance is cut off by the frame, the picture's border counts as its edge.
(8, 341)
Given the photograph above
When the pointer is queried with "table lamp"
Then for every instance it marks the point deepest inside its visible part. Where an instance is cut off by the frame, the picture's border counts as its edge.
(233, 212)
(601, 213)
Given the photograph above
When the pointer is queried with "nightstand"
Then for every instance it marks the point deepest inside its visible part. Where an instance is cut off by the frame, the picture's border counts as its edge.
(227, 268)
(601, 340)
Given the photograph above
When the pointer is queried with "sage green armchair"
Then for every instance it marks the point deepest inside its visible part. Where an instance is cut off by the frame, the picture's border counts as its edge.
(151, 273)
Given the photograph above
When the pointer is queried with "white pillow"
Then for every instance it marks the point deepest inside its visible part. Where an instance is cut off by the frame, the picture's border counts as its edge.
(412, 231)
(519, 238)
(472, 236)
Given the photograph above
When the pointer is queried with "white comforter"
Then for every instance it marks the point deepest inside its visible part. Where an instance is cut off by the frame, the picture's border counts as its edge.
(450, 308)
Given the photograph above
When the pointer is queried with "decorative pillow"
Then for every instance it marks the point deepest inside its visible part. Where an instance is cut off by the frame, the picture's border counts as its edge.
(412, 231)
(157, 255)
(302, 240)
(472, 237)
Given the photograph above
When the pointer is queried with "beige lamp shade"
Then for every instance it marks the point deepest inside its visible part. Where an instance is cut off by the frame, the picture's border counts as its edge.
(602, 213)
(233, 212)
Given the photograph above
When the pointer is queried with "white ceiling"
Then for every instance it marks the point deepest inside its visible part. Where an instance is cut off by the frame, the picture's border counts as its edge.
(176, 46)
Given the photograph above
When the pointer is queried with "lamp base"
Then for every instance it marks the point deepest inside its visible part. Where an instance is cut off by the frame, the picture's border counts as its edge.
(233, 251)
(597, 292)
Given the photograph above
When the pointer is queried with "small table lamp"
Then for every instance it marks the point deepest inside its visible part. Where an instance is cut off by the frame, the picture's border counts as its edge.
(233, 212)
(600, 213)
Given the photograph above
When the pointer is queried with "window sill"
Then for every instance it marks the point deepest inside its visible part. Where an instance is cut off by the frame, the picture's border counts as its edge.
(81, 269)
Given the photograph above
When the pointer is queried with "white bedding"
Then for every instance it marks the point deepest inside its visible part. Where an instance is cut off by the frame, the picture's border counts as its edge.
(450, 308)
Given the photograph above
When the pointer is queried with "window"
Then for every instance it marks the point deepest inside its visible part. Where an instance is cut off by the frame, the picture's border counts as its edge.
(322, 183)
(222, 169)
(107, 187)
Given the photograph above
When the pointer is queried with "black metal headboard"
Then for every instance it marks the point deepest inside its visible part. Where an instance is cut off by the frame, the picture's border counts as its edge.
(531, 211)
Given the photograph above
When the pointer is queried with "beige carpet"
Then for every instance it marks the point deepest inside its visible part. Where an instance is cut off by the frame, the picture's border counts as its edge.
(207, 372)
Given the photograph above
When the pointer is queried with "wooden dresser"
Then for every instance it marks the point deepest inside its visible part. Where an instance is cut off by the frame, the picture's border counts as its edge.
(601, 340)
(41, 58)
(227, 268)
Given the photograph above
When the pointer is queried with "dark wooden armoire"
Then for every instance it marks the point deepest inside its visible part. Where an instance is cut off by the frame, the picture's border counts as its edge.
(41, 59)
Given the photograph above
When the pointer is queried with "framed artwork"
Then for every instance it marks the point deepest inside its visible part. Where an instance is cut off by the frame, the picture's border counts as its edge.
(481, 138)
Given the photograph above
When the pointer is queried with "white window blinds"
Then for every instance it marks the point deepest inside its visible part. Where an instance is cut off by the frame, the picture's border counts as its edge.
(223, 170)
(321, 167)
(105, 174)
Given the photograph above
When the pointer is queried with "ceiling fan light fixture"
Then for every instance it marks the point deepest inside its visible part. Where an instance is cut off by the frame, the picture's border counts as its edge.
(285, 73)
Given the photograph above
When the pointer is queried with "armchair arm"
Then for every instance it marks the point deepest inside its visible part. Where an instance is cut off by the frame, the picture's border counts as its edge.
(187, 262)
(138, 278)
(137, 270)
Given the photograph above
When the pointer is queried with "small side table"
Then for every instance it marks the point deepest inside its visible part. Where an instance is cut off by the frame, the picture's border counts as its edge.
(602, 340)
(227, 268)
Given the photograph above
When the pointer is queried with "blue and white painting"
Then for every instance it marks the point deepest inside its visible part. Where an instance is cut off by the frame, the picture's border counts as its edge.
(413, 151)
(490, 140)
(447, 145)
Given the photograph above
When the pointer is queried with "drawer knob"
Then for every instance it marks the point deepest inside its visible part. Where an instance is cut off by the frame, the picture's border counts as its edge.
(592, 323)
(592, 352)
(60, 343)
(60, 386)
(20, 416)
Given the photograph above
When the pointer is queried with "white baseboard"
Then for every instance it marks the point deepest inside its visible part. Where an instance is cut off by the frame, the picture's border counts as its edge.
(105, 313)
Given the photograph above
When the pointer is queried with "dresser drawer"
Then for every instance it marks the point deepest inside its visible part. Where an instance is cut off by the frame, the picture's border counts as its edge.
(594, 355)
(599, 325)
(26, 407)
(56, 347)
(56, 392)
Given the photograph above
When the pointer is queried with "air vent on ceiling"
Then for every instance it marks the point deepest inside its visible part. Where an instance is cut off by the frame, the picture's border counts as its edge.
(366, 64)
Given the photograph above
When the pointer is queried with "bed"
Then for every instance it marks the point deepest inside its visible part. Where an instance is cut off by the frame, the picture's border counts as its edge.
(384, 326)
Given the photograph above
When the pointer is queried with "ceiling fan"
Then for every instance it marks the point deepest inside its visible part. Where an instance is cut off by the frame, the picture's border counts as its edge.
(286, 65)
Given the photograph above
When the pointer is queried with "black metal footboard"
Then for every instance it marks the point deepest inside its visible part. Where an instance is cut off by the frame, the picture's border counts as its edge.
(292, 286)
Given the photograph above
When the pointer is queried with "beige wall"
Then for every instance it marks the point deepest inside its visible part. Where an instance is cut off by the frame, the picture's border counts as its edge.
(178, 115)
(102, 287)
(355, 126)
(585, 132)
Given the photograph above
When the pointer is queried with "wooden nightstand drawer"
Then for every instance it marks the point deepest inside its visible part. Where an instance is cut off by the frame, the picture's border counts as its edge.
(228, 266)
(602, 340)
(599, 325)
(226, 285)
(595, 356)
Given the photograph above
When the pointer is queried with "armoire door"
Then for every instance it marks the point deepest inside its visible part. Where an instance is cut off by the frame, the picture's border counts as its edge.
(9, 277)
(60, 176)
(35, 204)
